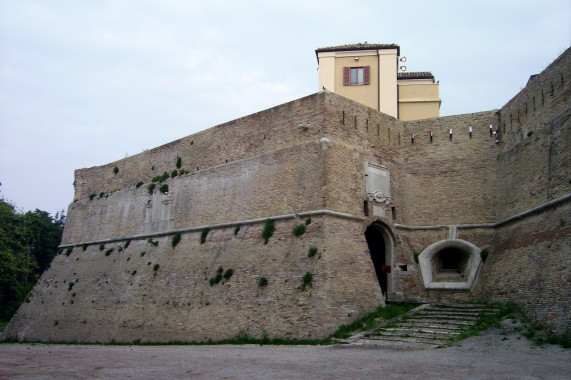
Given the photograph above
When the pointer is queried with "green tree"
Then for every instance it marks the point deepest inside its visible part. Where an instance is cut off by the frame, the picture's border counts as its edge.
(28, 243)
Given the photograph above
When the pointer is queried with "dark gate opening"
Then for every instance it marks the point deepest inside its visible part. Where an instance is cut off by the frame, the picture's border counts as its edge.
(377, 249)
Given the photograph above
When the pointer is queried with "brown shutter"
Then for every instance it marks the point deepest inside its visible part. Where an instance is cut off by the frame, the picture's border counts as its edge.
(366, 74)
(346, 76)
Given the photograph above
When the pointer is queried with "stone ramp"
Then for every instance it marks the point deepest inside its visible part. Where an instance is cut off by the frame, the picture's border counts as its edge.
(427, 326)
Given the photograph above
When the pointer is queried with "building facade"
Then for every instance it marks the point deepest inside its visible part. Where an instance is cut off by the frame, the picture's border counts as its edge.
(369, 74)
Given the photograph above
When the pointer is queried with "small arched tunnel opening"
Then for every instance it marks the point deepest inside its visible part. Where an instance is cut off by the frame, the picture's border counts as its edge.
(379, 249)
(449, 264)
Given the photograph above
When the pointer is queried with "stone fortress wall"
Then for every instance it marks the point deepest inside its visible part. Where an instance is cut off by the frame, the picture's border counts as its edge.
(308, 161)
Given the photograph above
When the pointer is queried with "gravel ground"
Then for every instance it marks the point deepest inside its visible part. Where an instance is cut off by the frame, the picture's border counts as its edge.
(489, 356)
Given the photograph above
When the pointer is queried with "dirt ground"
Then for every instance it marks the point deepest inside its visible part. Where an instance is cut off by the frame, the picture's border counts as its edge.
(489, 356)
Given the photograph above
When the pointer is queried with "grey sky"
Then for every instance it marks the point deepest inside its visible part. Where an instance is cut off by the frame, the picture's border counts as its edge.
(84, 83)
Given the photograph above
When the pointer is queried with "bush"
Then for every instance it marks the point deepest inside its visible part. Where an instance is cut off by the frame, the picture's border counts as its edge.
(164, 188)
(127, 243)
(101, 247)
(139, 184)
(152, 242)
(262, 281)
(269, 229)
(68, 251)
(203, 235)
(307, 221)
(306, 281)
(299, 230)
(84, 247)
(178, 162)
(176, 239)
(415, 254)
(228, 274)
(91, 196)
(484, 255)
(312, 251)
(115, 170)
(151, 188)
(236, 230)
(108, 252)
(174, 173)
(156, 267)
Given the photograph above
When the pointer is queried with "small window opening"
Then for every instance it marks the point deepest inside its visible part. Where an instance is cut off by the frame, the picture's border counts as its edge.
(366, 208)
(394, 213)
(357, 76)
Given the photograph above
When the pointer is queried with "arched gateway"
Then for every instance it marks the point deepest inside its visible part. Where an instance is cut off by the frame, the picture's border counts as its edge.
(380, 242)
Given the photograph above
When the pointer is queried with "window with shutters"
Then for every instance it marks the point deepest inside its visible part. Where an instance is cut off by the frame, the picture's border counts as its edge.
(356, 76)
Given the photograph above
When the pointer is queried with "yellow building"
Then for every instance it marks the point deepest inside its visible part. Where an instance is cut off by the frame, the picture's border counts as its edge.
(369, 74)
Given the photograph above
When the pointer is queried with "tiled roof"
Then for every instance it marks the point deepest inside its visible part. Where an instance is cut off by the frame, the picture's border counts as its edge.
(416, 75)
(359, 46)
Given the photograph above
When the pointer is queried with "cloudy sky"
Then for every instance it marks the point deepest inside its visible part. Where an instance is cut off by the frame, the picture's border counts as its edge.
(84, 83)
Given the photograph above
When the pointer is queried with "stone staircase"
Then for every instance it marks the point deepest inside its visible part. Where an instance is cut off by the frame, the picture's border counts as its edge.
(426, 326)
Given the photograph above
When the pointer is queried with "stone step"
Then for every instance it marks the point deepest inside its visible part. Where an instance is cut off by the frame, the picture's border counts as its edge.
(407, 340)
(398, 330)
(434, 329)
(453, 311)
(436, 316)
(446, 326)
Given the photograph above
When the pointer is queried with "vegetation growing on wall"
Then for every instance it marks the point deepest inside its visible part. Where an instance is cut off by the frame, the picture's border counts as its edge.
(312, 252)
(236, 229)
(178, 162)
(299, 230)
(176, 239)
(115, 170)
(203, 235)
(139, 184)
(269, 229)
(415, 254)
(151, 188)
(307, 280)
(164, 188)
(262, 281)
(484, 255)
(68, 251)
